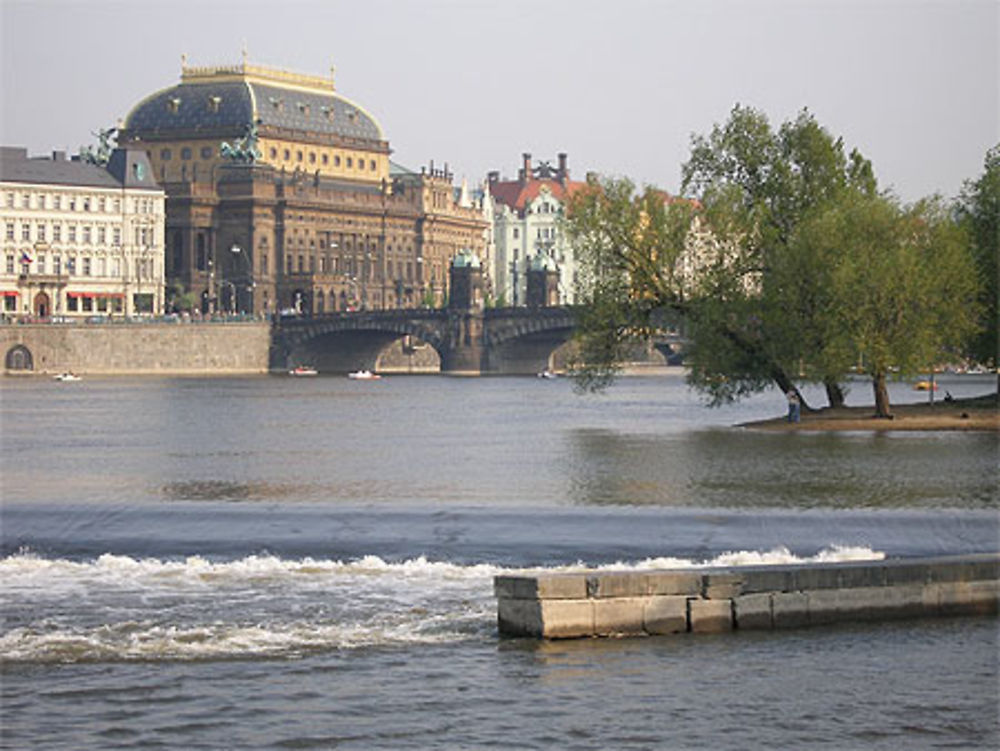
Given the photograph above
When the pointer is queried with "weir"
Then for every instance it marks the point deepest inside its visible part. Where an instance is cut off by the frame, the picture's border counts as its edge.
(713, 600)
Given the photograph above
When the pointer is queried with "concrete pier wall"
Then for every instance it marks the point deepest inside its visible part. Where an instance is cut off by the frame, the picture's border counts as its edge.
(560, 606)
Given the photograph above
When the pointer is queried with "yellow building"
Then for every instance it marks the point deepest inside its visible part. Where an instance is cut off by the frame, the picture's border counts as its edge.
(281, 194)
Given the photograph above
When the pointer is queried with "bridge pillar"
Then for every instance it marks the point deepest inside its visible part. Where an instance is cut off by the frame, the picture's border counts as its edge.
(543, 283)
(464, 349)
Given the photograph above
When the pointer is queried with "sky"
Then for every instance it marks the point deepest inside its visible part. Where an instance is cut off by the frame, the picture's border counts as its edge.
(619, 85)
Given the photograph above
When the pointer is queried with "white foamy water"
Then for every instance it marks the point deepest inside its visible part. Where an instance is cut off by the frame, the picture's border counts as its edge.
(122, 608)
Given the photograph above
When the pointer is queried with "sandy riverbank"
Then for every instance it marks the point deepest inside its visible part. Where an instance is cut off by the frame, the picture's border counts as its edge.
(961, 414)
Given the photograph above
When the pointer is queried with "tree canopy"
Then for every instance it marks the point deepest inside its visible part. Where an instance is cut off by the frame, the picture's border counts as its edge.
(978, 212)
(788, 265)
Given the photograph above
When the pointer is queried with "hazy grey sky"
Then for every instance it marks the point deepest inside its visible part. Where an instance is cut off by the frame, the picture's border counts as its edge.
(620, 85)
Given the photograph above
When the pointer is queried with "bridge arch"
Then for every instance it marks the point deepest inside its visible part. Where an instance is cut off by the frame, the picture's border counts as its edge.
(340, 343)
(495, 340)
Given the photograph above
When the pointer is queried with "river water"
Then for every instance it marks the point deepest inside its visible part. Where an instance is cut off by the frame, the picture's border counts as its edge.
(272, 562)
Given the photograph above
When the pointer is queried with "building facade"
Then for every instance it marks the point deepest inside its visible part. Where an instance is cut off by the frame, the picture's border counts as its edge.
(281, 197)
(80, 238)
(526, 214)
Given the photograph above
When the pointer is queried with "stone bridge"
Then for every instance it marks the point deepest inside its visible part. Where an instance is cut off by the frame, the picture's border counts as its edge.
(468, 341)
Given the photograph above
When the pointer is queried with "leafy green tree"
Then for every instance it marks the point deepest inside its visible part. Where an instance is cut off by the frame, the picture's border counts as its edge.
(978, 211)
(902, 281)
(757, 186)
(806, 266)
(628, 245)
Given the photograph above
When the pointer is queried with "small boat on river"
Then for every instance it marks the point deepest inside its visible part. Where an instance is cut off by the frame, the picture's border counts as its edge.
(67, 377)
(925, 386)
(303, 370)
(364, 375)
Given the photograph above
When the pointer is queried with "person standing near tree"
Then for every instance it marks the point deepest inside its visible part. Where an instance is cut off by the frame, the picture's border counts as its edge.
(794, 406)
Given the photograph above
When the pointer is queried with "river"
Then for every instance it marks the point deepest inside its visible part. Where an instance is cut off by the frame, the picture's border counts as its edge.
(276, 562)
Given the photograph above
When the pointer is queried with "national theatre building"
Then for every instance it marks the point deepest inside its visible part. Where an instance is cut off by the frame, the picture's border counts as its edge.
(281, 195)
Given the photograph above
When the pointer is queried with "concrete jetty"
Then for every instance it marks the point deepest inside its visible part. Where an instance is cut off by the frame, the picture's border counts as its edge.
(713, 600)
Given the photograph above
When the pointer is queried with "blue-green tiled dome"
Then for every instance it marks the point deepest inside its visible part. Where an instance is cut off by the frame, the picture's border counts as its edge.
(231, 105)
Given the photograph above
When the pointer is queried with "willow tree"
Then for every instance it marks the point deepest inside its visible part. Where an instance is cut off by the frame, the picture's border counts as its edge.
(757, 186)
(756, 307)
(978, 211)
(903, 284)
(628, 246)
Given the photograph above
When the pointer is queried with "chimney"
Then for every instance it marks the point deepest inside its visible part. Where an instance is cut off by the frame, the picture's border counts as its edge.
(526, 169)
(58, 156)
(493, 176)
(563, 169)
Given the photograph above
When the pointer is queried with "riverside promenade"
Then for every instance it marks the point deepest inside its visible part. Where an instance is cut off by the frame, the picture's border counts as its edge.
(714, 600)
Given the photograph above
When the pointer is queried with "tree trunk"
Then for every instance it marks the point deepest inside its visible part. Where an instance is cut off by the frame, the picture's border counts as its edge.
(834, 393)
(786, 384)
(882, 408)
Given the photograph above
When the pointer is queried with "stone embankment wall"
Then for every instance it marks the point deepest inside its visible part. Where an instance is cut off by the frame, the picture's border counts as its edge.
(762, 597)
(139, 348)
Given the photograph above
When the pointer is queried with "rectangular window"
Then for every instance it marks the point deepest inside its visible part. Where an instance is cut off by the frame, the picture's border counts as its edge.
(71, 232)
(57, 265)
(86, 235)
(10, 263)
(56, 233)
(71, 265)
(87, 304)
(101, 205)
(72, 203)
(116, 267)
(102, 267)
(26, 232)
(116, 236)
(86, 265)
(42, 265)
(101, 235)
(42, 232)
(10, 200)
(71, 303)
(10, 230)
(57, 202)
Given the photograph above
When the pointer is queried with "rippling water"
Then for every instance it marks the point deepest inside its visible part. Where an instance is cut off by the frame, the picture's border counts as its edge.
(307, 563)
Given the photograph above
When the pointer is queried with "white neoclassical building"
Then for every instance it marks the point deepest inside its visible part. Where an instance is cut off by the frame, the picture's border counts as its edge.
(526, 214)
(80, 239)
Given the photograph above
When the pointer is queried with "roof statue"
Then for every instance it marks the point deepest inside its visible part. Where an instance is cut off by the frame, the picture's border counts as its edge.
(544, 171)
(104, 148)
(243, 150)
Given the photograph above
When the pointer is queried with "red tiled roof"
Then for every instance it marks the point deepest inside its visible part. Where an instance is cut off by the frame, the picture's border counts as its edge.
(517, 195)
